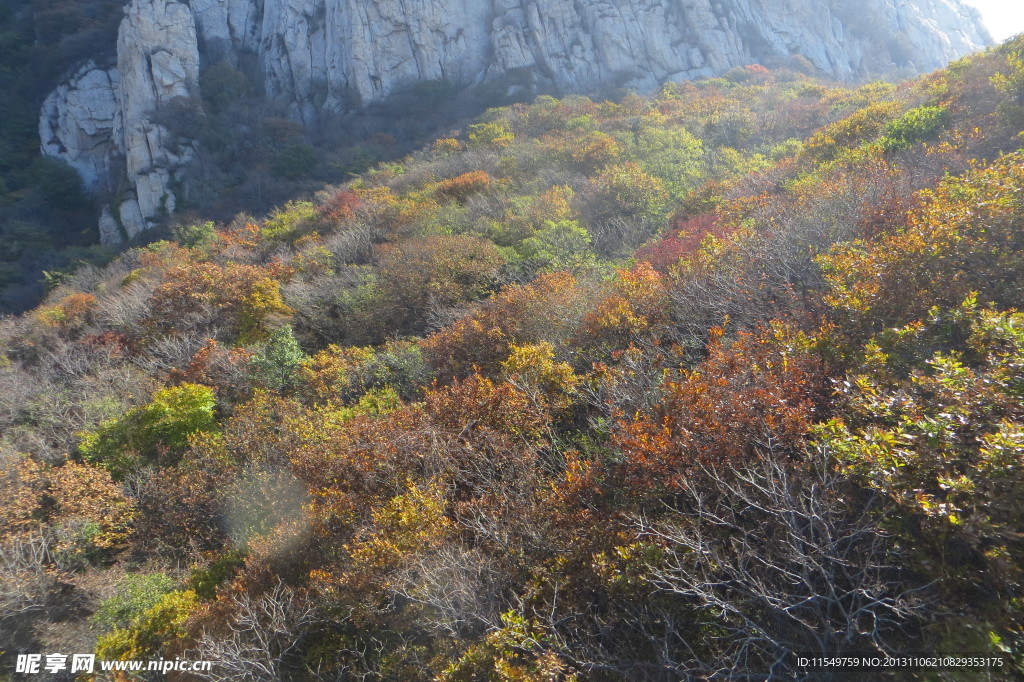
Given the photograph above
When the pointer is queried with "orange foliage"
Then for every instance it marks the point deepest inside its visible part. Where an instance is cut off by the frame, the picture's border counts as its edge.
(755, 393)
(341, 206)
(461, 187)
(69, 497)
(247, 296)
(479, 403)
(84, 494)
(72, 312)
(636, 308)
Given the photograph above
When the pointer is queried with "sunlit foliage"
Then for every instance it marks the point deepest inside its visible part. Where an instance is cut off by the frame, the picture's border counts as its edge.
(669, 387)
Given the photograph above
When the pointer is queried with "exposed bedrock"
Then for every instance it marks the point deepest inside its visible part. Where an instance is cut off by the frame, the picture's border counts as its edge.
(318, 56)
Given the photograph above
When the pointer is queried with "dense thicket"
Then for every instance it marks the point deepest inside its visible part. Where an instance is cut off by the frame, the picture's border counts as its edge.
(660, 388)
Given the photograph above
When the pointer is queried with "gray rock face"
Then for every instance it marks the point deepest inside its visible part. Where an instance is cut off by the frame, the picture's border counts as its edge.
(78, 122)
(320, 56)
(158, 59)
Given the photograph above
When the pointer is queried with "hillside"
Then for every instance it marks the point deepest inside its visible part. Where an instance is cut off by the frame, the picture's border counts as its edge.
(161, 109)
(679, 385)
(132, 129)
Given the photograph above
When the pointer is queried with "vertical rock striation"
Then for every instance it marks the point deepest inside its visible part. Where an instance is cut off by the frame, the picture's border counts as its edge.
(320, 56)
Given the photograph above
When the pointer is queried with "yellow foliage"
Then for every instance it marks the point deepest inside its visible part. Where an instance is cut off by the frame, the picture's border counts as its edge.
(408, 524)
(532, 369)
(22, 487)
(553, 205)
(86, 493)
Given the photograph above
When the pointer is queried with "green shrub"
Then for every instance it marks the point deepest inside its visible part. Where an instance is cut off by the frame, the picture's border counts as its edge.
(59, 184)
(155, 433)
(491, 134)
(275, 367)
(917, 125)
(195, 234)
(135, 594)
(205, 581)
(290, 221)
(164, 621)
(561, 245)
(221, 85)
(294, 162)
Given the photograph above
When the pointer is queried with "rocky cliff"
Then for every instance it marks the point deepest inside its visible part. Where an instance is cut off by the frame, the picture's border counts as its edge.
(322, 56)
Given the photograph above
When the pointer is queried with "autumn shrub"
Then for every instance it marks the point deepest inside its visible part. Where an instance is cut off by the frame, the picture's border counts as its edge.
(864, 125)
(673, 155)
(545, 310)
(288, 222)
(340, 206)
(1010, 82)
(199, 295)
(461, 187)
(582, 150)
(196, 234)
(478, 403)
(155, 433)
(632, 311)
(430, 274)
(754, 394)
(683, 239)
(627, 189)
(71, 313)
(964, 239)
(87, 518)
(446, 145)
(532, 369)
(335, 308)
(206, 580)
(91, 517)
(180, 508)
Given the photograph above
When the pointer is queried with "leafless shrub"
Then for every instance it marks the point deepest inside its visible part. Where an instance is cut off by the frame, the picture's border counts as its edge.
(324, 306)
(42, 408)
(460, 587)
(440, 314)
(635, 390)
(264, 632)
(172, 352)
(125, 309)
(353, 244)
(618, 235)
(485, 159)
(779, 561)
(25, 579)
(757, 281)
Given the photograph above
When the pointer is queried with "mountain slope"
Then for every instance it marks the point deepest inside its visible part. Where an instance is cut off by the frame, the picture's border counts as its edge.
(323, 58)
(670, 387)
